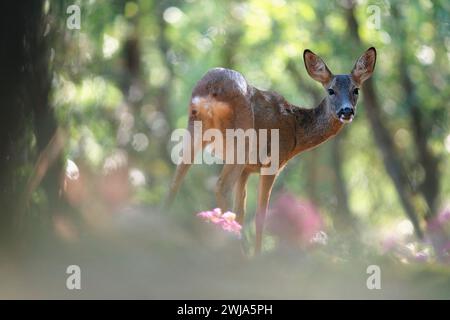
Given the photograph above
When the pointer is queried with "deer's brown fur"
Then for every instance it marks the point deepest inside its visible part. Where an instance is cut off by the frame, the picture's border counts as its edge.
(223, 99)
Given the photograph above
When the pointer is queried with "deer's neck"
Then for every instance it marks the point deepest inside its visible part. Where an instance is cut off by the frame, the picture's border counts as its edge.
(314, 126)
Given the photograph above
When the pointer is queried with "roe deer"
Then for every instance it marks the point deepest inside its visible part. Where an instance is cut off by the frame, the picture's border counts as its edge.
(223, 99)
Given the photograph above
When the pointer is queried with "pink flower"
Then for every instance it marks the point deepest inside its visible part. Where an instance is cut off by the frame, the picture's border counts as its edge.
(226, 221)
(444, 216)
(204, 215)
(231, 226)
(213, 216)
(296, 221)
(229, 216)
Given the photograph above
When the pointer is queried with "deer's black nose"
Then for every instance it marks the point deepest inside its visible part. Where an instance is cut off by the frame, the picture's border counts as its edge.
(345, 112)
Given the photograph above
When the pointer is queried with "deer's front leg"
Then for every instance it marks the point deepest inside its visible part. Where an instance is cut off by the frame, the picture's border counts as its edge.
(264, 190)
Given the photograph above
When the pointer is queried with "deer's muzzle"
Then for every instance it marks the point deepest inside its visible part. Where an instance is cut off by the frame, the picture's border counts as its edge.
(346, 114)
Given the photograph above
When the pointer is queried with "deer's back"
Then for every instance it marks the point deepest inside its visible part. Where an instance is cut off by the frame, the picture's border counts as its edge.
(223, 99)
(225, 86)
(222, 84)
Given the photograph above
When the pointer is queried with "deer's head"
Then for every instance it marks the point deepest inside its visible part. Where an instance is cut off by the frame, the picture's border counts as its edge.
(342, 89)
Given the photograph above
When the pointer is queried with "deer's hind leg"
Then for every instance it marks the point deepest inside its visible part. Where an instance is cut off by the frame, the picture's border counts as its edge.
(227, 180)
(190, 150)
(233, 171)
(240, 196)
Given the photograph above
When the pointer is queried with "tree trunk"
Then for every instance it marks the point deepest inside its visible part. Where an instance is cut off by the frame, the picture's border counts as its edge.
(419, 125)
(383, 138)
(24, 88)
(163, 94)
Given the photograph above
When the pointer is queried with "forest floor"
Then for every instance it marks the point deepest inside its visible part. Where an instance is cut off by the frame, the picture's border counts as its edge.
(152, 258)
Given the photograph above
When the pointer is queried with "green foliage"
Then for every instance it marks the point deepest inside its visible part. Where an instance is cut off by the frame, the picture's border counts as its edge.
(180, 40)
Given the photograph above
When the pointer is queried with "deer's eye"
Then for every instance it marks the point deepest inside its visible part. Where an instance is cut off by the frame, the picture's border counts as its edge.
(330, 92)
(356, 91)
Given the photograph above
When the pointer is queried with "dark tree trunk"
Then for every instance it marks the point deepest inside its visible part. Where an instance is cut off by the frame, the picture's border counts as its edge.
(426, 159)
(343, 218)
(163, 94)
(24, 87)
(421, 128)
(383, 138)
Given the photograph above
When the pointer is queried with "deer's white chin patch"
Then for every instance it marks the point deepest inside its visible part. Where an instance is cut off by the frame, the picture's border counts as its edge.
(343, 120)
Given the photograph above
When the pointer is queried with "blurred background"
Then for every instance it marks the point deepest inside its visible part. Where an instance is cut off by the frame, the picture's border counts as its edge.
(92, 90)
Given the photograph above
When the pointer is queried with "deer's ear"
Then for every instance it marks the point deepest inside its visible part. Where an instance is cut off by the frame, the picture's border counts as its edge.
(316, 68)
(364, 66)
